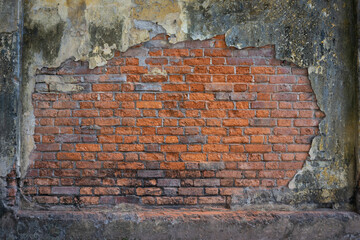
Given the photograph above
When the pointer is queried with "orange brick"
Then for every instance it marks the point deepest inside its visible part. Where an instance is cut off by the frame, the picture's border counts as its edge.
(82, 147)
(69, 156)
(149, 104)
(193, 157)
(105, 87)
(176, 52)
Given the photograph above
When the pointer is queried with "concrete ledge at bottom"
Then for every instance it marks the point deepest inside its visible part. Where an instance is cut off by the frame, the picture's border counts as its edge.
(180, 224)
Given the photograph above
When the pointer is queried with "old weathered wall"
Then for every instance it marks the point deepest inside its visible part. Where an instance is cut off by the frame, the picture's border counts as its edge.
(320, 36)
(312, 34)
(186, 124)
(10, 35)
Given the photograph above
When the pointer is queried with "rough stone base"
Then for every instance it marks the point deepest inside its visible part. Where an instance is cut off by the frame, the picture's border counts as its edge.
(127, 223)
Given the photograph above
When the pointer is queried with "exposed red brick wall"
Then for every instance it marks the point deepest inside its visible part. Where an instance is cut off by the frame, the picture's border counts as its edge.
(216, 120)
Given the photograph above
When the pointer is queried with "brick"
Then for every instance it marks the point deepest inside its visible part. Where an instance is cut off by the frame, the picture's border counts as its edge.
(173, 148)
(153, 78)
(193, 105)
(198, 78)
(212, 200)
(149, 104)
(46, 181)
(133, 70)
(148, 122)
(46, 199)
(191, 191)
(51, 147)
(251, 166)
(235, 122)
(170, 131)
(89, 200)
(235, 139)
(130, 147)
(110, 156)
(85, 113)
(215, 148)
(193, 157)
(105, 87)
(64, 105)
(89, 165)
(81, 147)
(172, 165)
(217, 52)
(257, 148)
(67, 173)
(69, 156)
(264, 105)
(176, 52)
(47, 130)
(66, 122)
(156, 61)
(220, 105)
(170, 200)
(263, 70)
(213, 131)
(306, 123)
(65, 190)
(247, 182)
(168, 183)
(298, 148)
(151, 173)
(221, 70)
(106, 191)
(130, 165)
(197, 61)
(219, 87)
(206, 182)
(281, 139)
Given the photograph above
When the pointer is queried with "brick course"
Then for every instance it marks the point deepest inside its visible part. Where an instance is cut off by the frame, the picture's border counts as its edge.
(190, 123)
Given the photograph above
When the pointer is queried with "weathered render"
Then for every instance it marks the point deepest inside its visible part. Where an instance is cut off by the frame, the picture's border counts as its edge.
(10, 35)
(181, 224)
(314, 34)
(311, 34)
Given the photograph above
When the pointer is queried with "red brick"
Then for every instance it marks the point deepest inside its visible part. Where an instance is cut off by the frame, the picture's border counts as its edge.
(213, 131)
(133, 70)
(263, 70)
(220, 105)
(193, 157)
(173, 148)
(89, 200)
(191, 191)
(149, 104)
(172, 165)
(264, 105)
(257, 148)
(235, 122)
(105, 87)
(217, 53)
(197, 61)
(82, 147)
(148, 122)
(69, 156)
(247, 182)
(110, 156)
(46, 199)
(149, 191)
(154, 78)
(221, 70)
(176, 52)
